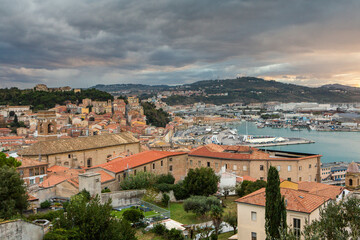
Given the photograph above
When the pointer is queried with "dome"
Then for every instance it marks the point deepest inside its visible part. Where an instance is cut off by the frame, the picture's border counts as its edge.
(353, 168)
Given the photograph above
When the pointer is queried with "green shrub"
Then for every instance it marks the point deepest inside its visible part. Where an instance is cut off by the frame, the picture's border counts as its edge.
(180, 192)
(165, 200)
(159, 229)
(62, 234)
(45, 204)
(164, 187)
(200, 204)
(133, 215)
(142, 180)
(175, 234)
(105, 190)
(51, 215)
(166, 178)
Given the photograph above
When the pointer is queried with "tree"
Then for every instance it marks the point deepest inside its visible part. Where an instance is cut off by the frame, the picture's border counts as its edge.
(201, 181)
(93, 220)
(156, 117)
(275, 211)
(231, 219)
(165, 200)
(247, 187)
(216, 213)
(133, 215)
(142, 180)
(8, 161)
(13, 196)
(45, 204)
(226, 190)
(180, 192)
(165, 178)
(200, 205)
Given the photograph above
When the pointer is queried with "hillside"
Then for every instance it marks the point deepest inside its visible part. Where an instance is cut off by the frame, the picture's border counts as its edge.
(247, 90)
(40, 100)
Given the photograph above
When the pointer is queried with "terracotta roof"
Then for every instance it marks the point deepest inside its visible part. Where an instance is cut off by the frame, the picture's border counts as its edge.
(245, 178)
(217, 151)
(240, 153)
(52, 180)
(321, 189)
(296, 200)
(105, 177)
(32, 198)
(120, 164)
(26, 162)
(78, 144)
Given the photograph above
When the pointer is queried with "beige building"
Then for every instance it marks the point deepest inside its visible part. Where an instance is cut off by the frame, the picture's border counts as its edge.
(157, 162)
(301, 207)
(82, 151)
(253, 162)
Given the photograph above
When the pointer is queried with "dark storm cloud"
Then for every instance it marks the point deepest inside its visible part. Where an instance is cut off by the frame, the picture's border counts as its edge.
(81, 43)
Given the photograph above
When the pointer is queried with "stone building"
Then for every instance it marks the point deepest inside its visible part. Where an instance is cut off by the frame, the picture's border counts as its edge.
(46, 125)
(158, 162)
(253, 162)
(32, 171)
(82, 151)
(352, 176)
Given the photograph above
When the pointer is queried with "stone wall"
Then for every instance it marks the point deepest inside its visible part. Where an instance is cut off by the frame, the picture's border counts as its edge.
(19, 229)
(123, 198)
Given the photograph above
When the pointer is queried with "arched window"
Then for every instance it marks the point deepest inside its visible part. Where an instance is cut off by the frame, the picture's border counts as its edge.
(89, 162)
(51, 128)
(350, 182)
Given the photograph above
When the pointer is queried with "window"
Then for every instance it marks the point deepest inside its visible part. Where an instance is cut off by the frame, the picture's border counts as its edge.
(145, 169)
(170, 168)
(234, 167)
(309, 165)
(289, 178)
(135, 172)
(300, 178)
(69, 155)
(89, 162)
(297, 227)
(244, 168)
(261, 178)
(66, 163)
(31, 172)
(253, 216)
(41, 179)
(190, 162)
(289, 168)
(199, 163)
(216, 165)
(253, 236)
(42, 170)
(124, 175)
(32, 181)
(170, 159)
(261, 167)
(208, 164)
(278, 168)
(21, 172)
(36, 171)
(225, 166)
(300, 167)
(162, 163)
(350, 182)
(153, 165)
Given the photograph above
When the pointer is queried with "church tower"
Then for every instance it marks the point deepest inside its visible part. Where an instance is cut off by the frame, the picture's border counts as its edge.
(46, 125)
(352, 176)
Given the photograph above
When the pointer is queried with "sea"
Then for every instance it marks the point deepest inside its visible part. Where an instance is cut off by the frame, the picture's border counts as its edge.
(333, 146)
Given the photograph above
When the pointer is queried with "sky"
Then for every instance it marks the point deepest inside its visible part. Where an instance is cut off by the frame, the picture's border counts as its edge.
(89, 42)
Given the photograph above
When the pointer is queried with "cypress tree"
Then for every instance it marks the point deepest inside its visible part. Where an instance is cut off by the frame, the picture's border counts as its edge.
(275, 210)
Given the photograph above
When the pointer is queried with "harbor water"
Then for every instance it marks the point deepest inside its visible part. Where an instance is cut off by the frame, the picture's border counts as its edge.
(334, 146)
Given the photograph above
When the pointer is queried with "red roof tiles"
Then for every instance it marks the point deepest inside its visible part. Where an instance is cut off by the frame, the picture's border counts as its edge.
(298, 201)
(121, 164)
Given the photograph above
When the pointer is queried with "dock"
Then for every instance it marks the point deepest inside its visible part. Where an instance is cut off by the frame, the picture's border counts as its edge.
(291, 141)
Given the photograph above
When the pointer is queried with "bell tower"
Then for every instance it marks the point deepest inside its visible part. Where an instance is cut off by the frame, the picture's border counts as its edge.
(46, 125)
